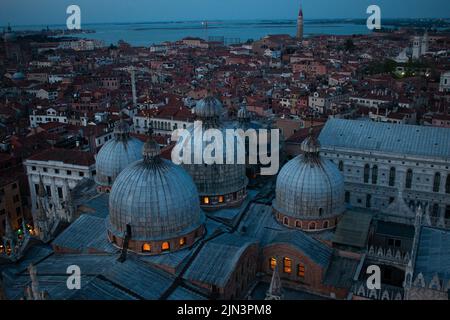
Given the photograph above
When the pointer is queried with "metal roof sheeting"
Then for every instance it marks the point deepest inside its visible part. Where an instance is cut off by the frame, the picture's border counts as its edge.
(385, 137)
(353, 229)
(433, 254)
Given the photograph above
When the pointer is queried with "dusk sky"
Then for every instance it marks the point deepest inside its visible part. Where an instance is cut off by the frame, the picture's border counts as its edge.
(30, 12)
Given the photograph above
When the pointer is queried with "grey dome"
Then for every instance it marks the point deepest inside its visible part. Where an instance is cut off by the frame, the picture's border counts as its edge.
(209, 107)
(310, 187)
(215, 179)
(117, 154)
(157, 199)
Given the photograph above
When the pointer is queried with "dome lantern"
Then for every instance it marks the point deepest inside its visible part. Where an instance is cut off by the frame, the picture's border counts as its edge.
(121, 129)
(209, 110)
(115, 155)
(311, 147)
(151, 150)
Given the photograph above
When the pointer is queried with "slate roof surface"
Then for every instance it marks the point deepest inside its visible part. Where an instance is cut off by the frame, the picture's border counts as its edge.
(433, 254)
(353, 229)
(385, 137)
(216, 260)
(341, 272)
(87, 232)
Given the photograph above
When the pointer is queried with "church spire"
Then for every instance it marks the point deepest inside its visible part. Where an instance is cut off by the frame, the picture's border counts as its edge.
(275, 289)
(300, 24)
(151, 150)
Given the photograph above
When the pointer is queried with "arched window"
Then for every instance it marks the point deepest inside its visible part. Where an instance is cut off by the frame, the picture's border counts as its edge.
(286, 221)
(409, 177)
(287, 265)
(301, 270)
(374, 174)
(146, 247)
(368, 201)
(165, 246)
(312, 226)
(437, 182)
(341, 165)
(182, 241)
(392, 177)
(366, 173)
(447, 184)
(220, 199)
(272, 263)
(114, 240)
(325, 224)
(435, 211)
(206, 200)
(298, 224)
(320, 212)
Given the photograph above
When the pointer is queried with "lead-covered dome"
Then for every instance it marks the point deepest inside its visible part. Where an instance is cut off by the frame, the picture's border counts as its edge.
(219, 184)
(309, 190)
(115, 155)
(158, 201)
(209, 107)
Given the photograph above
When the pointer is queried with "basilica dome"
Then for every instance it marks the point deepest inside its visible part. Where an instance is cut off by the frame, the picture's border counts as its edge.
(219, 184)
(209, 107)
(158, 201)
(115, 155)
(309, 191)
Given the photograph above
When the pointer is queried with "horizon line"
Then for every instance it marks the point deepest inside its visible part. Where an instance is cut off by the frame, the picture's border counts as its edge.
(216, 20)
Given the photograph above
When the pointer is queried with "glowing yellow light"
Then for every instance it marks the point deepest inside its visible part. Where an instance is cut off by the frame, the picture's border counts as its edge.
(301, 270)
(146, 247)
(165, 246)
(287, 265)
(273, 263)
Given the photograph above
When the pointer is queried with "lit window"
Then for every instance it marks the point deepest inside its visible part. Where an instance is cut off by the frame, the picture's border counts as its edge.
(165, 246)
(301, 270)
(220, 199)
(206, 200)
(287, 265)
(182, 241)
(273, 263)
(146, 247)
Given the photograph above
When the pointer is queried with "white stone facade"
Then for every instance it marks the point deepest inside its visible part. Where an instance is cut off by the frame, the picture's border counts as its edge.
(58, 179)
(376, 188)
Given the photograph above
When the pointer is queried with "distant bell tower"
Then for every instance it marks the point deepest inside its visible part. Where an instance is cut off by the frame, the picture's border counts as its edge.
(300, 25)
